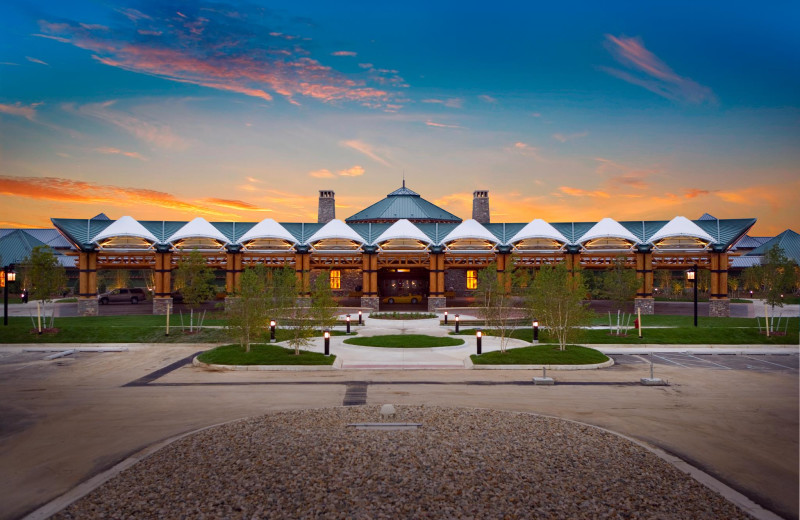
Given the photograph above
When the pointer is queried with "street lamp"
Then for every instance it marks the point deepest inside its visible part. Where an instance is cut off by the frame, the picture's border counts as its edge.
(691, 275)
(8, 276)
(347, 319)
(478, 336)
(457, 323)
(535, 332)
(360, 322)
(327, 335)
(445, 317)
(272, 330)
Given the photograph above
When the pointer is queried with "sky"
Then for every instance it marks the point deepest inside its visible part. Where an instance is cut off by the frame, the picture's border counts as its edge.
(566, 111)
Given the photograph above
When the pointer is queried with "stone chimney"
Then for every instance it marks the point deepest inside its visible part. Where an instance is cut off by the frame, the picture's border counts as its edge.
(480, 206)
(327, 207)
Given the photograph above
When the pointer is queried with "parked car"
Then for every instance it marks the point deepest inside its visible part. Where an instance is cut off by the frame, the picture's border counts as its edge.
(403, 298)
(132, 295)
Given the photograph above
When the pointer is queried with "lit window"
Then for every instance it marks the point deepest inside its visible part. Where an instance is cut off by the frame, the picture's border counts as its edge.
(472, 279)
(336, 279)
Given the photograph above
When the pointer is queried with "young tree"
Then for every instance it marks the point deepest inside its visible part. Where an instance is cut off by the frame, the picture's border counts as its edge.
(778, 276)
(280, 291)
(703, 280)
(496, 300)
(247, 311)
(555, 299)
(620, 283)
(323, 305)
(44, 276)
(196, 281)
(733, 285)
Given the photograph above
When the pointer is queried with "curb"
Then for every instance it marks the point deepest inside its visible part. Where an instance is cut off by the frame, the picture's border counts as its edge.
(594, 366)
(337, 364)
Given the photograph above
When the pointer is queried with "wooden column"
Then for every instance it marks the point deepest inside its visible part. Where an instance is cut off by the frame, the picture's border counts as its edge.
(163, 275)
(87, 274)
(644, 301)
(233, 272)
(719, 304)
(436, 275)
(302, 266)
(373, 274)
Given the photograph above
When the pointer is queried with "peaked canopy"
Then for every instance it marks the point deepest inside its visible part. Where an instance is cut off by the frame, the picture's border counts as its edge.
(198, 228)
(403, 203)
(335, 229)
(403, 229)
(470, 229)
(608, 228)
(538, 228)
(126, 227)
(267, 228)
(681, 227)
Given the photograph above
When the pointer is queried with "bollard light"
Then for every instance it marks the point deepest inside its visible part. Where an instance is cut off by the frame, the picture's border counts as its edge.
(535, 331)
(272, 330)
(347, 319)
(478, 336)
(327, 336)
(359, 318)
(457, 323)
(445, 317)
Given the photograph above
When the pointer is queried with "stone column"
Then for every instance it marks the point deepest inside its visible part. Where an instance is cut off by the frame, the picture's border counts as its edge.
(719, 304)
(162, 298)
(644, 301)
(436, 298)
(369, 276)
(87, 283)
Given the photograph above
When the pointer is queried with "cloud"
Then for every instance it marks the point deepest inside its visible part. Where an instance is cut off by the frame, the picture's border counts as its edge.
(619, 176)
(36, 60)
(449, 103)
(253, 179)
(116, 151)
(18, 109)
(577, 192)
(322, 174)
(563, 138)
(487, 99)
(646, 70)
(233, 204)
(149, 131)
(82, 192)
(222, 49)
(344, 53)
(366, 149)
(441, 125)
(355, 171)
(694, 192)
(524, 149)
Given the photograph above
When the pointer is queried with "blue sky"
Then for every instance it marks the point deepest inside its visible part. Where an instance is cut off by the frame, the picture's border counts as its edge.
(242, 111)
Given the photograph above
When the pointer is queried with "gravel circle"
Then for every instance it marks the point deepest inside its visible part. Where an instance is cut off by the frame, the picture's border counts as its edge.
(462, 463)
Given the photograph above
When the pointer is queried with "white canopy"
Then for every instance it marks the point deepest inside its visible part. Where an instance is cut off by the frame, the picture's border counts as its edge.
(608, 228)
(126, 227)
(335, 229)
(403, 228)
(538, 228)
(198, 228)
(470, 229)
(681, 227)
(267, 228)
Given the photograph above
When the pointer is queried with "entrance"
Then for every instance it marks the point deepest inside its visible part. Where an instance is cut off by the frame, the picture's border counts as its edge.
(406, 286)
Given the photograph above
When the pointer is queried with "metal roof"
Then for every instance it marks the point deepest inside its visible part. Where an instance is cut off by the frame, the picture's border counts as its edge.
(789, 241)
(403, 203)
(681, 227)
(470, 229)
(748, 242)
(17, 245)
(126, 227)
(403, 229)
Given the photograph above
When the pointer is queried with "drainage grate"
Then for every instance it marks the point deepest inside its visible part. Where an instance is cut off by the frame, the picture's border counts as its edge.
(356, 394)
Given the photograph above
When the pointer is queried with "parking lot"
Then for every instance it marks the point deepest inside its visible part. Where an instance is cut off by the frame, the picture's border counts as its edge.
(755, 362)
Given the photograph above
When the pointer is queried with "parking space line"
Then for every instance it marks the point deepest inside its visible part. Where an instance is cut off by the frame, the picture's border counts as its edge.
(707, 361)
(671, 361)
(770, 362)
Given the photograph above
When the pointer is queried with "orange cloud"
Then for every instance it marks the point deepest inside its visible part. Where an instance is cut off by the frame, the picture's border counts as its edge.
(116, 151)
(366, 149)
(577, 192)
(322, 174)
(18, 109)
(563, 138)
(694, 192)
(440, 125)
(234, 204)
(355, 171)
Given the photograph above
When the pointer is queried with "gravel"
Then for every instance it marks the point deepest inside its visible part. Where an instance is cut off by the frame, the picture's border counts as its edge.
(462, 463)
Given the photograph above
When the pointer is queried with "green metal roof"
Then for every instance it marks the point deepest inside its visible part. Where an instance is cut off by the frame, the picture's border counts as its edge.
(16, 247)
(505, 231)
(725, 232)
(403, 203)
(789, 241)
(80, 231)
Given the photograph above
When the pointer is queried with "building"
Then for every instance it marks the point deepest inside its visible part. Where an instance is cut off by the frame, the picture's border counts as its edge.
(402, 244)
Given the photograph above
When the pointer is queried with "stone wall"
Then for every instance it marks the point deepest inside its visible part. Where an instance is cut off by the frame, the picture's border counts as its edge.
(480, 206)
(327, 207)
(455, 280)
(719, 308)
(88, 306)
(160, 305)
(645, 305)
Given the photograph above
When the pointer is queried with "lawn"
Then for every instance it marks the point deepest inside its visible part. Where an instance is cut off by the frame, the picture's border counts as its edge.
(402, 315)
(542, 355)
(263, 355)
(123, 329)
(405, 341)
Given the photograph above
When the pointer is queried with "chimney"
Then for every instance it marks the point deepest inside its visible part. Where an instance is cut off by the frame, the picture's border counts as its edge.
(480, 206)
(327, 207)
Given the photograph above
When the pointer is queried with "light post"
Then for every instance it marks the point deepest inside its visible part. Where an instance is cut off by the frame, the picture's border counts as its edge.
(691, 275)
(445, 317)
(347, 319)
(327, 335)
(272, 330)
(478, 336)
(456, 323)
(535, 332)
(359, 318)
(8, 276)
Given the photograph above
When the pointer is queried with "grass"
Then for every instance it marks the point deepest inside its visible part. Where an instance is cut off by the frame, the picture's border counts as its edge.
(263, 355)
(402, 315)
(405, 341)
(123, 329)
(542, 355)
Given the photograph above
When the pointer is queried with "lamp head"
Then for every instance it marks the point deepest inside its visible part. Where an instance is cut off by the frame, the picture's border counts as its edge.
(326, 334)
(272, 323)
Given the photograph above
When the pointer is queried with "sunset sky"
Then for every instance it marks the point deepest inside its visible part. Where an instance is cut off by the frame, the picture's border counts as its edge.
(566, 111)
